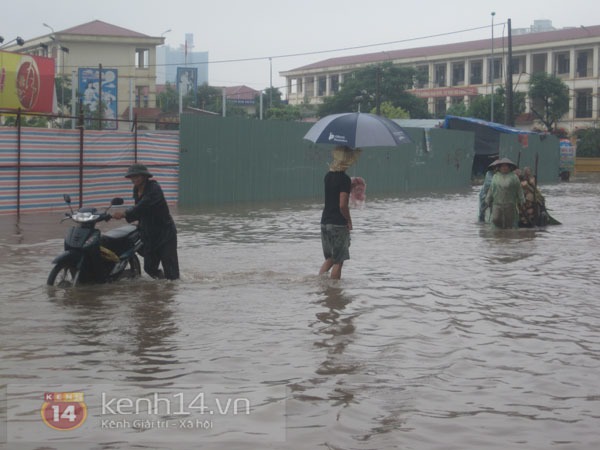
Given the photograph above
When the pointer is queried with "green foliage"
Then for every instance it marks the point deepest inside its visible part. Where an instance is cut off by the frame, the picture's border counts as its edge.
(588, 142)
(550, 98)
(27, 121)
(366, 87)
(209, 98)
(284, 112)
(271, 98)
(458, 109)
(480, 107)
(392, 112)
(63, 94)
(168, 100)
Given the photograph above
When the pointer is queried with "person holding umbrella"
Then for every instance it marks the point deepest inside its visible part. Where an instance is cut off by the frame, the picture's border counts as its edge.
(336, 222)
(346, 131)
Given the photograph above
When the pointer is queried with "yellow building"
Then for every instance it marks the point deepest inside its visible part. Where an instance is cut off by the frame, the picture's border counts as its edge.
(460, 71)
(128, 57)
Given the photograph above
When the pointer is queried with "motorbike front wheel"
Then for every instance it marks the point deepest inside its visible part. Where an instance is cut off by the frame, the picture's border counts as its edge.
(63, 275)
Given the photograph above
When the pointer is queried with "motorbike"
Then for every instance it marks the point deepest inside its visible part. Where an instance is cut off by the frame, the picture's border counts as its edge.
(90, 256)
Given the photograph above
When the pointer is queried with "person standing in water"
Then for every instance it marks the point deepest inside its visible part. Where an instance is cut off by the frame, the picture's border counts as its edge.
(505, 195)
(157, 227)
(336, 222)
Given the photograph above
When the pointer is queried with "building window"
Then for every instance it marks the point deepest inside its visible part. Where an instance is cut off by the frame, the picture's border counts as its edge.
(476, 76)
(141, 58)
(539, 63)
(421, 79)
(518, 65)
(458, 74)
(439, 75)
(141, 96)
(321, 86)
(299, 85)
(495, 67)
(584, 64)
(335, 83)
(563, 65)
(583, 108)
(440, 107)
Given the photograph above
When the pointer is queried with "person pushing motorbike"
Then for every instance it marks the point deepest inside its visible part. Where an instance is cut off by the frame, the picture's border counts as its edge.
(157, 227)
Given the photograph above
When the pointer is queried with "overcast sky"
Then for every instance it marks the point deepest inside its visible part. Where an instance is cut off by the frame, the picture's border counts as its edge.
(233, 30)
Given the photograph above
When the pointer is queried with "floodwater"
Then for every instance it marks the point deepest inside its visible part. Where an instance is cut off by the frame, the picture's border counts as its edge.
(442, 333)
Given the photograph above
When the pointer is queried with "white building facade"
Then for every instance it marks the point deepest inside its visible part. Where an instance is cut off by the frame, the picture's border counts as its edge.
(461, 71)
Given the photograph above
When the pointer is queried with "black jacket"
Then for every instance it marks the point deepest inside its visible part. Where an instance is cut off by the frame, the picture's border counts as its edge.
(152, 213)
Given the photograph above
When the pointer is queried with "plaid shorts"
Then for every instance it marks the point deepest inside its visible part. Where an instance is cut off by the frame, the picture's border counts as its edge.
(336, 241)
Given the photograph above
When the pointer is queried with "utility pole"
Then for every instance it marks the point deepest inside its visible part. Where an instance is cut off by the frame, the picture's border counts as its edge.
(492, 70)
(509, 113)
(378, 91)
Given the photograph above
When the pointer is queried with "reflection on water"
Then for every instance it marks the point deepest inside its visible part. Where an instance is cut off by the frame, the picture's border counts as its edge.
(442, 334)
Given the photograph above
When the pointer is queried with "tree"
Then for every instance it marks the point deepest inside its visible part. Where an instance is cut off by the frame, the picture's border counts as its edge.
(285, 112)
(168, 100)
(549, 97)
(392, 112)
(458, 109)
(370, 86)
(480, 107)
(63, 93)
(271, 98)
(209, 98)
(588, 142)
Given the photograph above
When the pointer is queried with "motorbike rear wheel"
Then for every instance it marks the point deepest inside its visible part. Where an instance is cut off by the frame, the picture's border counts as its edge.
(63, 275)
(134, 269)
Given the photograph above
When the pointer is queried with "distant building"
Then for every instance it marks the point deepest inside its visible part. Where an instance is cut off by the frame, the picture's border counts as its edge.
(461, 71)
(129, 57)
(243, 97)
(168, 59)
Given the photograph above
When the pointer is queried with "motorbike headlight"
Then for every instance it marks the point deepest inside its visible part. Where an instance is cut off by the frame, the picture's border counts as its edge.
(84, 217)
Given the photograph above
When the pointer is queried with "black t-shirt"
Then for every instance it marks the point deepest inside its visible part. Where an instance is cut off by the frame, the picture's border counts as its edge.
(335, 182)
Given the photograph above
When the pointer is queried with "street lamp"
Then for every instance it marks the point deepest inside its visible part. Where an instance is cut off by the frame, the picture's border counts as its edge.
(62, 63)
(19, 40)
(492, 70)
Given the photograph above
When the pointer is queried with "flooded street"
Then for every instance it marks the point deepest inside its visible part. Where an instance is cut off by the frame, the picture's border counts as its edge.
(442, 333)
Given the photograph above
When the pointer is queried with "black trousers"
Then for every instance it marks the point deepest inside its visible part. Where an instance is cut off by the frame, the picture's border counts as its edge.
(166, 255)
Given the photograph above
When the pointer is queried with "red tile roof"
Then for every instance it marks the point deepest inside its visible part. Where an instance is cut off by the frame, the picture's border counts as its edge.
(241, 92)
(99, 28)
(565, 34)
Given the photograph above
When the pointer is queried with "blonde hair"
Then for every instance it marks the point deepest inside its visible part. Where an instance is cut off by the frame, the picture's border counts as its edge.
(343, 158)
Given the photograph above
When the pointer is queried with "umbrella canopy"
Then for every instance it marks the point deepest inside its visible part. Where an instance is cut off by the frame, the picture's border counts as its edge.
(357, 130)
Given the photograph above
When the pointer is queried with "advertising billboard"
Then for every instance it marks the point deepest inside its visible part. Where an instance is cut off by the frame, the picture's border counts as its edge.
(94, 98)
(26, 82)
(187, 80)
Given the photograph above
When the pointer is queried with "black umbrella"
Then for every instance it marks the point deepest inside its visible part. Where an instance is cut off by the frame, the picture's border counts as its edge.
(357, 130)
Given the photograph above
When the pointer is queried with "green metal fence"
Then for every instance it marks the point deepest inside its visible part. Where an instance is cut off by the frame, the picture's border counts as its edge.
(546, 147)
(235, 160)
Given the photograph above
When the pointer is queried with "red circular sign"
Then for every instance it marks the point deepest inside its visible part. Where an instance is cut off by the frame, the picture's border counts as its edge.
(64, 416)
(28, 83)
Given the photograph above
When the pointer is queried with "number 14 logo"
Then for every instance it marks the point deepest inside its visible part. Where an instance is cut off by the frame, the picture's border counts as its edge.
(64, 410)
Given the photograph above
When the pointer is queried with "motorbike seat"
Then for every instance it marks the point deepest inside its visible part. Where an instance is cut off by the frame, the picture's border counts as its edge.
(119, 233)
